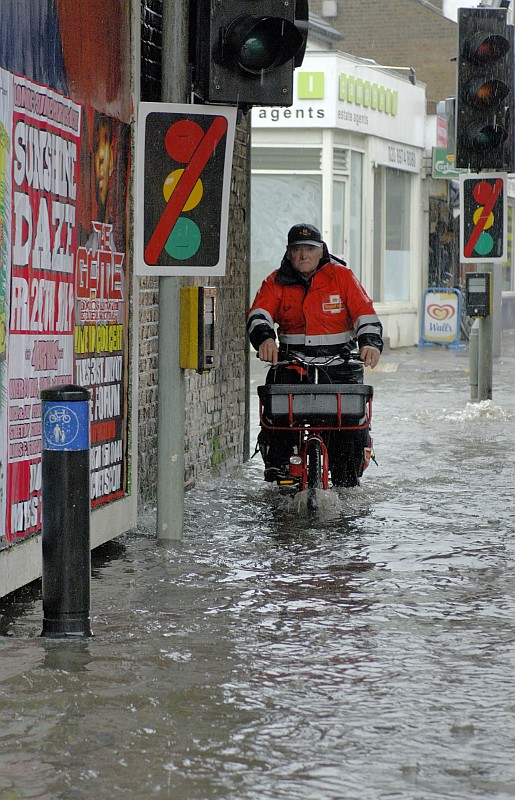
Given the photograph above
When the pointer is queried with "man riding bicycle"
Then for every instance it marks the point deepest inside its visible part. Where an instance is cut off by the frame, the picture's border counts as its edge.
(321, 309)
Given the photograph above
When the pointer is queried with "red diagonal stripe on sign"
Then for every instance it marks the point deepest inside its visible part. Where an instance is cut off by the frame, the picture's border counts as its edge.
(480, 224)
(184, 188)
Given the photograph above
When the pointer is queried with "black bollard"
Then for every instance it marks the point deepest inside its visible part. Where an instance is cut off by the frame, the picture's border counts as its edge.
(65, 512)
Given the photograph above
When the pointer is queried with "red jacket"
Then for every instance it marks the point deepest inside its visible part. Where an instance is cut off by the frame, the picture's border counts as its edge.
(330, 311)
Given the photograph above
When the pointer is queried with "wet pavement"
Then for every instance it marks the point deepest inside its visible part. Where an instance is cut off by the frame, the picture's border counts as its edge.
(365, 652)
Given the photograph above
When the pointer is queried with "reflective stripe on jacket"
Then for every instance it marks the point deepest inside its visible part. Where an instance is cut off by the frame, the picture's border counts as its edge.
(330, 311)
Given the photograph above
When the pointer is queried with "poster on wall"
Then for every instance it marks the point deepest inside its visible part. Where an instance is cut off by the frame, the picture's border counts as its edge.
(101, 308)
(63, 287)
(45, 172)
(5, 276)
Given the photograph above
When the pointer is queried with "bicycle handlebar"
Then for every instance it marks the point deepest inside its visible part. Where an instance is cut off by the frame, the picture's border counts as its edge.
(320, 361)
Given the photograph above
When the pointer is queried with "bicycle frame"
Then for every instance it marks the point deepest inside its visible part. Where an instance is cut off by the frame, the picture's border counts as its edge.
(299, 471)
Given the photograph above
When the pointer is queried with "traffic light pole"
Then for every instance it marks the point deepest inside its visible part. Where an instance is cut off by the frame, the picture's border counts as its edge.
(171, 414)
(171, 387)
(485, 343)
(484, 362)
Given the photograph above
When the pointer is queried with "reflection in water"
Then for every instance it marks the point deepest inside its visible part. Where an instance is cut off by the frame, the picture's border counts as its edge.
(362, 652)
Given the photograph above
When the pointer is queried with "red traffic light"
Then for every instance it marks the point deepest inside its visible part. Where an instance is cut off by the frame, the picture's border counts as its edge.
(485, 48)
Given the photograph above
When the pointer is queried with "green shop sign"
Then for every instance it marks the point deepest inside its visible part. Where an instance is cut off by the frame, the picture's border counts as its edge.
(359, 92)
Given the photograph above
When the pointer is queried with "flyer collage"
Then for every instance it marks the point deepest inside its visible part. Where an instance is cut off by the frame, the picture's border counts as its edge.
(63, 287)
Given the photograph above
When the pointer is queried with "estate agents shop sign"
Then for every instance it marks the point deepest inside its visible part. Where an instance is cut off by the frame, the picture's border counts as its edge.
(335, 91)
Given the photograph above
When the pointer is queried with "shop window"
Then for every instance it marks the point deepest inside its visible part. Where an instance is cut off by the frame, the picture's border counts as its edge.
(278, 202)
(338, 242)
(355, 253)
(391, 238)
(397, 215)
(377, 280)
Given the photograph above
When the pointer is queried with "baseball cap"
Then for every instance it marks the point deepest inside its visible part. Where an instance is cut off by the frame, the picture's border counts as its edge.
(304, 233)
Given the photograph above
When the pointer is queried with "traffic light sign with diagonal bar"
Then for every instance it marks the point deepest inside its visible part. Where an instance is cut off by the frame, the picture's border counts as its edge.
(483, 218)
(184, 160)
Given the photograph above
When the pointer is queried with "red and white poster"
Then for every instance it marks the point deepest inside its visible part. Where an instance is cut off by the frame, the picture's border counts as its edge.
(45, 174)
(5, 276)
(63, 287)
(100, 340)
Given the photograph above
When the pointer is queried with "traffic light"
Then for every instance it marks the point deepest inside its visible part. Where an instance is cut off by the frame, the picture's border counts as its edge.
(484, 93)
(244, 53)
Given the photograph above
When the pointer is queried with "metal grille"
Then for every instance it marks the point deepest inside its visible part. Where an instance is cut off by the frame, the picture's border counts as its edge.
(286, 159)
(151, 49)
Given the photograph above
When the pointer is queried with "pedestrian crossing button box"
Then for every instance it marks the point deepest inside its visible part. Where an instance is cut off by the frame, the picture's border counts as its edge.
(478, 294)
(198, 320)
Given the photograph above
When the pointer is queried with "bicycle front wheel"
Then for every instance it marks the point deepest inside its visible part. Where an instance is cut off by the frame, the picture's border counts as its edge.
(314, 468)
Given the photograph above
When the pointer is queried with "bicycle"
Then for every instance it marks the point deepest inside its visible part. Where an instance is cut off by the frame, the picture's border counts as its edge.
(312, 411)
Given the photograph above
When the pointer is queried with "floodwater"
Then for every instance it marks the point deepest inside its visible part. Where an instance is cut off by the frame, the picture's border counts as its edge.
(363, 652)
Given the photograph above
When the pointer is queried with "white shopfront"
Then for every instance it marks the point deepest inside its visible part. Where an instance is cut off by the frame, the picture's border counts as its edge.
(347, 156)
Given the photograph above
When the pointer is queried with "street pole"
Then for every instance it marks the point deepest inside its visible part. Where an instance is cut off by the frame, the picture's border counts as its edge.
(485, 363)
(171, 413)
(486, 333)
(171, 388)
(473, 360)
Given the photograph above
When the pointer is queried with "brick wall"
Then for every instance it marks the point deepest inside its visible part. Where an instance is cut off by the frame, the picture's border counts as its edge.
(216, 402)
(147, 395)
(406, 33)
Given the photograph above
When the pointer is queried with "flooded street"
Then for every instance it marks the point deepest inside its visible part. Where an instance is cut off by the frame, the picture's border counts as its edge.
(366, 651)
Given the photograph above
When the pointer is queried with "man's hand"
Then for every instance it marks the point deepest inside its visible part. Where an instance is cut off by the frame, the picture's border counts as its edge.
(369, 355)
(268, 351)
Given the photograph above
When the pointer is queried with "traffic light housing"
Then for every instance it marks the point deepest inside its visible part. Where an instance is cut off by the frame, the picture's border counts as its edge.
(484, 95)
(244, 53)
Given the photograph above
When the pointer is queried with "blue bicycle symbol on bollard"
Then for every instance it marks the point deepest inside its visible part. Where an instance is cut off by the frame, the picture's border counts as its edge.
(62, 428)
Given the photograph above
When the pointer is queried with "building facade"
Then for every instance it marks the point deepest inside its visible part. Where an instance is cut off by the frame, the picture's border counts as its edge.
(72, 310)
(347, 156)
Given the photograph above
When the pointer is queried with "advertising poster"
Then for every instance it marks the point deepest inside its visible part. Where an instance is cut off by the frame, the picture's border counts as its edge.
(63, 287)
(45, 177)
(100, 340)
(441, 316)
(5, 276)
(64, 178)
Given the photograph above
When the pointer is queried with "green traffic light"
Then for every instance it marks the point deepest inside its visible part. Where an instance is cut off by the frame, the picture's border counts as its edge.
(257, 51)
(260, 44)
(487, 137)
